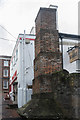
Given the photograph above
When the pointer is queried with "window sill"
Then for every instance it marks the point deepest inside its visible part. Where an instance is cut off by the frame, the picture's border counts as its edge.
(5, 88)
(5, 76)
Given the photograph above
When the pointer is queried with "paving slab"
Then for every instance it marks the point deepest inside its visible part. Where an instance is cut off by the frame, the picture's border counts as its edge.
(7, 112)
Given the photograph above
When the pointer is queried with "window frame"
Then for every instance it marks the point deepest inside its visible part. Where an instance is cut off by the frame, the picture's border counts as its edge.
(5, 63)
(5, 87)
(5, 75)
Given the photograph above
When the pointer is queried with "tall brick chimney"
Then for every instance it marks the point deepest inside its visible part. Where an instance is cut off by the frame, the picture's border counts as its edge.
(47, 54)
(54, 94)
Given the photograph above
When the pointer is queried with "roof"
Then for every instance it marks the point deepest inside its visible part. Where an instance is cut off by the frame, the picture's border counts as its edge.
(69, 36)
(5, 57)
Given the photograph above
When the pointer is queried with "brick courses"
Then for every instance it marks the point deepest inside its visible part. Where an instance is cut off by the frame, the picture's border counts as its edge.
(47, 63)
(47, 41)
(2, 68)
(5, 78)
(46, 19)
(56, 93)
(47, 54)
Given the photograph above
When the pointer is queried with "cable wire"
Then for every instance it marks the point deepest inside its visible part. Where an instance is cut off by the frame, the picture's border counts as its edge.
(8, 31)
(7, 39)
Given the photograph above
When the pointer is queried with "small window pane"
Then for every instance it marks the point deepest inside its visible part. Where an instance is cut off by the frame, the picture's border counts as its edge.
(5, 84)
(5, 73)
(5, 63)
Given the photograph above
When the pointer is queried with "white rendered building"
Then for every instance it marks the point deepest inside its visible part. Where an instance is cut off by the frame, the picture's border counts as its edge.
(22, 69)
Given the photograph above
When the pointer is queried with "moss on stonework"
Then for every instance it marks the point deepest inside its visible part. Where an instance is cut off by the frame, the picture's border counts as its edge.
(56, 105)
(43, 109)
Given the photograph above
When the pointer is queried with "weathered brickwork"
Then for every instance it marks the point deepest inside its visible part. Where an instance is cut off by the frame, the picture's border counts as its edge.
(47, 63)
(56, 93)
(47, 41)
(65, 89)
(47, 54)
(75, 88)
(42, 84)
(46, 19)
(2, 68)
(8, 77)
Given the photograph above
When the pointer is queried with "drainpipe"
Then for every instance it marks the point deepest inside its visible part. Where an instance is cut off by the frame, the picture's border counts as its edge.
(62, 50)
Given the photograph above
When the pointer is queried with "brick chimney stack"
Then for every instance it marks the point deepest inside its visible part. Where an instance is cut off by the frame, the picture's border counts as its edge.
(47, 54)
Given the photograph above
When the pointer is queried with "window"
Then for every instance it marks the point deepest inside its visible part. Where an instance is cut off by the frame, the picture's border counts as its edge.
(5, 84)
(6, 63)
(5, 73)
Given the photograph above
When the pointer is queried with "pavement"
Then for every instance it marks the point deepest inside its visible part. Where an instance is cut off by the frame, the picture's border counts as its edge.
(7, 113)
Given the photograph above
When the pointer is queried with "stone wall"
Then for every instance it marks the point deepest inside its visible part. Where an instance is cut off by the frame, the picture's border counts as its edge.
(57, 97)
(75, 88)
(63, 88)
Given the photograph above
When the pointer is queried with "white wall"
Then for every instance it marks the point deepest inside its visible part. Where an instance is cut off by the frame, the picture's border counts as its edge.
(25, 69)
